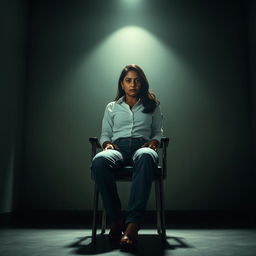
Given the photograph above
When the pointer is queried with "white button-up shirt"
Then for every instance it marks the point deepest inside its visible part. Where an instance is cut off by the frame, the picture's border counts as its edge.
(120, 121)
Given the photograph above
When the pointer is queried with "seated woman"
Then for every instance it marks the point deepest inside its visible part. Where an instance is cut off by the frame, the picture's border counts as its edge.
(131, 132)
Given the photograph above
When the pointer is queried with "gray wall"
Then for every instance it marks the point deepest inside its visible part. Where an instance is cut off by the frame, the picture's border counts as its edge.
(12, 67)
(195, 56)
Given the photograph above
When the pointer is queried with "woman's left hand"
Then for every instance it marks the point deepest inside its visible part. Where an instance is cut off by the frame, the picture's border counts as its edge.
(151, 144)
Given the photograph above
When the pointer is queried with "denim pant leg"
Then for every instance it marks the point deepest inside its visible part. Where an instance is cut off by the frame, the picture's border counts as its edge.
(103, 166)
(145, 161)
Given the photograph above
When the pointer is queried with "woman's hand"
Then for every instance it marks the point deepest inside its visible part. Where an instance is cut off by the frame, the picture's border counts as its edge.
(151, 144)
(108, 145)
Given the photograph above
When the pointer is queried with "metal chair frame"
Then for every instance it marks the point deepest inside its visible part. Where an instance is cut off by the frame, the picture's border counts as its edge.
(159, 190)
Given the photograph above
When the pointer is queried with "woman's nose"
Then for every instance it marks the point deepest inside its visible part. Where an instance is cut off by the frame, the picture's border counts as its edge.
(133, 83)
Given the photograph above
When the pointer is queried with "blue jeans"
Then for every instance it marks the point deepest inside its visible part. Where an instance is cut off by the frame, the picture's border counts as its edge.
(107, 162)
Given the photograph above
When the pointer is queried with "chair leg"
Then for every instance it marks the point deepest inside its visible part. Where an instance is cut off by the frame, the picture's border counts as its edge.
(95, 211)
(103, 221)
(157, 198)
(161, 189)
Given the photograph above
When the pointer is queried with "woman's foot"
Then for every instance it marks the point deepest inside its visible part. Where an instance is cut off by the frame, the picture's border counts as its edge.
(115, 232)
(130, 237)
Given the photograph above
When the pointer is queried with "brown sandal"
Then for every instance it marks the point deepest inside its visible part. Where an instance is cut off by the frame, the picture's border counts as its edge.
(130, 237)
(127, 243)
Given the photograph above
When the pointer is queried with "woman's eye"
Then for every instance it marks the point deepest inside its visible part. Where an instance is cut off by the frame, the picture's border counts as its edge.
(128, 80)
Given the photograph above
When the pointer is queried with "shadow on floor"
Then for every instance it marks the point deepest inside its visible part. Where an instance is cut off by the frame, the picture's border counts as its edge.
(147, 245)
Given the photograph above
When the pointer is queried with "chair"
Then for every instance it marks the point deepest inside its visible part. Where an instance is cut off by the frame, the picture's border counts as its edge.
(126, 175)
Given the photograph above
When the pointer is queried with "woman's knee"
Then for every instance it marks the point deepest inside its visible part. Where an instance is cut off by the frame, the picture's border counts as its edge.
(98, 162)
(146, 154)
(104, 159)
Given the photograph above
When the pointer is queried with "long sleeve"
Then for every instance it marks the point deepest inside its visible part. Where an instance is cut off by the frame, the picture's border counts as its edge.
(107, 125)
(157, 125)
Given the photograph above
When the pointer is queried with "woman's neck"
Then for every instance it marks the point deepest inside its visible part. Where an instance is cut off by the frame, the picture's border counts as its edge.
(131, 101)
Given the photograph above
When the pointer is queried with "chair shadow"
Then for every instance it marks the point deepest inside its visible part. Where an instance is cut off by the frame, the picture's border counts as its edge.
(147, 245)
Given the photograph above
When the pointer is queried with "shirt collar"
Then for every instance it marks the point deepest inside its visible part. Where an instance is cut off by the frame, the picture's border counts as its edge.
(121, 100)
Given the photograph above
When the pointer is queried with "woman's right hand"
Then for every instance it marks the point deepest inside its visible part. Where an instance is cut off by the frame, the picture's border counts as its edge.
(108, 145)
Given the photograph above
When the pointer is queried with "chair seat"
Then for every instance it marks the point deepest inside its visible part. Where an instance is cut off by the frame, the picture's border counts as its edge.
(125, 173)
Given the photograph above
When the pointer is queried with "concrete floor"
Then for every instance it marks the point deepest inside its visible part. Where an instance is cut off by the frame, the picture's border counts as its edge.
(193, 242)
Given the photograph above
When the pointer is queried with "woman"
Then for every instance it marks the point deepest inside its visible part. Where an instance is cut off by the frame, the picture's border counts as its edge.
(131, 132)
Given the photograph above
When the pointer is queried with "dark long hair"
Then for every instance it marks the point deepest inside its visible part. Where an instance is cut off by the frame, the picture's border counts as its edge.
(147, 97)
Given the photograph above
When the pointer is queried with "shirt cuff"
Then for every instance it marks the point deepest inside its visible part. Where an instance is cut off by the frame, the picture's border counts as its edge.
(103, 139)
(157, 137)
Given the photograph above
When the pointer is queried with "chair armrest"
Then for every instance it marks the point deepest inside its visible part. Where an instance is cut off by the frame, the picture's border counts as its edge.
(164, 142)
(95, 141)
(95, 144)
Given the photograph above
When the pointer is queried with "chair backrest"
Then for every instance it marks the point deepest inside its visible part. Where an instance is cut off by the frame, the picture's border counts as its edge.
(162, 150)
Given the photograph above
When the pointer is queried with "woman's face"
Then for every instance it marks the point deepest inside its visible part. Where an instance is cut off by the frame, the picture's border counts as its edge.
(131, 84)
